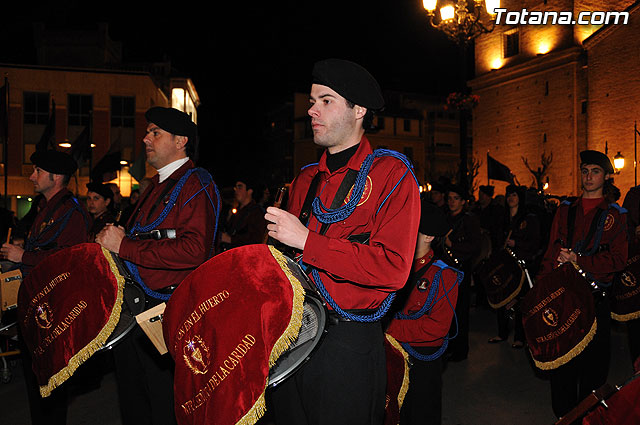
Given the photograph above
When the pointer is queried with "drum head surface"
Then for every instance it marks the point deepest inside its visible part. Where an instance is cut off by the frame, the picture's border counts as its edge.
(313, 323)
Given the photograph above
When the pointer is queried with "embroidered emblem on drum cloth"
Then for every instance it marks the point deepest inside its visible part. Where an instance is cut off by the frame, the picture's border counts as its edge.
(44, 317)
(608, 223)
(196, 355)
(550, 317)
(368, 186)
(628, 279)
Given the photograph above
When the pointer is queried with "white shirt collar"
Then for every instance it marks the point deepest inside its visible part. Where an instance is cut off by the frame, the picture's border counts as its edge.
(169, 169)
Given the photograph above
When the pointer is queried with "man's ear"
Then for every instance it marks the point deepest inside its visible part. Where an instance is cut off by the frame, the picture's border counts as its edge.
(360, 111)
(181, 142)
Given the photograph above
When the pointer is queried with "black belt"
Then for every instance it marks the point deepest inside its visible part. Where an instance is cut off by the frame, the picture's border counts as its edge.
(335, 317)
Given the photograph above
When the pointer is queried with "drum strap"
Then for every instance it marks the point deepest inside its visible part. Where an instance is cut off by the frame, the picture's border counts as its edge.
(595, 226)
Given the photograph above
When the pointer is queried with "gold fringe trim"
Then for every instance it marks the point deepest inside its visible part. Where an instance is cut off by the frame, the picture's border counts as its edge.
(625, 317)
(405, 380)
(97, 343)
(571, 354)
(282, 344)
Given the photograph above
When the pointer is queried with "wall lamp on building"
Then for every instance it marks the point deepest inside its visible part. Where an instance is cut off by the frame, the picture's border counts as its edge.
(464, 20)
(618, 163)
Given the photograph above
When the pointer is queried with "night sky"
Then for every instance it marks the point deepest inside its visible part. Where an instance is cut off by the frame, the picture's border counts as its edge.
(246, 57)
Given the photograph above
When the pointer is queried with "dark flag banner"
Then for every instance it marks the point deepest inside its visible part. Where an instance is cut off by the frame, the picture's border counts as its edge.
(138, 168)
(47, 139)
(81, 147)
(498, 171)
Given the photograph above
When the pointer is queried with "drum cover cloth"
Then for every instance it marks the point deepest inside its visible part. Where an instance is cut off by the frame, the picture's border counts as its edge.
(68, 306)
(397, 379)
(558, 315)
(502, 278)
(225, 326)
(625, 292)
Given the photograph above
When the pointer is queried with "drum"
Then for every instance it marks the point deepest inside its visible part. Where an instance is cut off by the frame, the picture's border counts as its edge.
(314, 322)
(625, 291)
(68, 306)
(558, 316)
(133, 303)
(502, 276)
(242, 322)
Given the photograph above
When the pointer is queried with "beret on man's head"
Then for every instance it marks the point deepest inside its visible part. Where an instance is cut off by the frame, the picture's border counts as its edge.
(596, 158)
(101, 189)
(350, 81)
(487, 190)
(172, 120)
(433, 221)
(456, 188)
(54, 162)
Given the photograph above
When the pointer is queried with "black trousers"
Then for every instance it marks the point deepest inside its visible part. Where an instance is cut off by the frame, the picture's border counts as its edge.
(575, 380)
(423, 402)
(144, 381)
(502, 316)
(344, 381)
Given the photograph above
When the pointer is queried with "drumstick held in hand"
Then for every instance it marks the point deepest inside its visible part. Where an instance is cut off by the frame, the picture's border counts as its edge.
(9, 235)
(277, 203)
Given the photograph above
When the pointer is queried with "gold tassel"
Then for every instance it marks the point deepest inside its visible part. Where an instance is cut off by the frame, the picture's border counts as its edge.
(85, 353)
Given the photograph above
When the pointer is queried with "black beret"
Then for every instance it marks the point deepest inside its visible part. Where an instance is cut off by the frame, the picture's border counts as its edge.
(521, 191)
(596, 158)
(54, 162)
(350, 81)
(101, 189)
(172, 120)
(439, 187)
(455, 188)
(433, 221)
(488, 190)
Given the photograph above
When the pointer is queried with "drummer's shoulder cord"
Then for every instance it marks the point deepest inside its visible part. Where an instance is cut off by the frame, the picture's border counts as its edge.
(63, 220)
(445, 340)
(202, 174)
(326, 215)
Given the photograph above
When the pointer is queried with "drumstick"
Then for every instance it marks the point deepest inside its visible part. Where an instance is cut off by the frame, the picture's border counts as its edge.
(277, 203)
(9, 235)
(508, 236)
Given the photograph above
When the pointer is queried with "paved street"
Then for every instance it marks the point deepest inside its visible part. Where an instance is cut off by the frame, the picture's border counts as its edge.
(495, 385)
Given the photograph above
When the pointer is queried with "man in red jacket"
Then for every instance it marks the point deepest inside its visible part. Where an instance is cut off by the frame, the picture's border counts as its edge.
(422, 324)
(169, 234)
(359, 257)
(591, 233)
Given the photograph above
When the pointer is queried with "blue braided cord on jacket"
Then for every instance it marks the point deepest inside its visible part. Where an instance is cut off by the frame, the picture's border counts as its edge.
(64, 220)
(427, 307)
(379, 313)
(205, 181)
(327, 215)
(201, 173)
(426, 357)
(341, 213)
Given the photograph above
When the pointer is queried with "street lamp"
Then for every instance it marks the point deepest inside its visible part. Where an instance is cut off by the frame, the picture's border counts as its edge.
(618, 162)
(462, 22)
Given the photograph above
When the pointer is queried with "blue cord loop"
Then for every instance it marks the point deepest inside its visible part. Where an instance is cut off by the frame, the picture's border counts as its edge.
(205, 180)
(428, 305)
(327, 215)
(63, 220)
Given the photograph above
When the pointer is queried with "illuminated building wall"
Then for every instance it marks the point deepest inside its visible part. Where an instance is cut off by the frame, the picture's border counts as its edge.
(533, 82)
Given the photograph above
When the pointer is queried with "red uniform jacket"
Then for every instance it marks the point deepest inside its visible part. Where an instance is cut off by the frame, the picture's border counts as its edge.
(360, 276)
(76, 230)
(605, 262)
(167, 262)
(430, 329)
